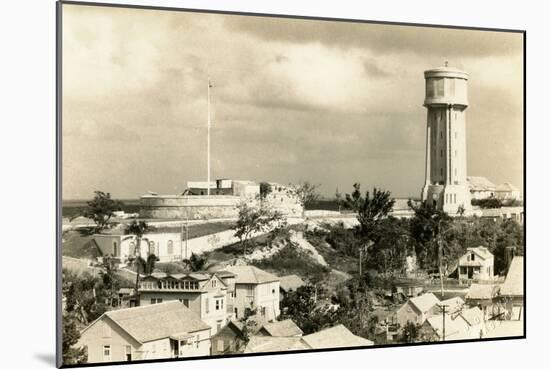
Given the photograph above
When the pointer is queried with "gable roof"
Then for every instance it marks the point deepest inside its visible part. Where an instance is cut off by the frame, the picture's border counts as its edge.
(284, 328)
(482, 291)
(480, 251)
(153, 322)
(454, 304)
(456, 328)
(513, 284)
(472, 316)
(274, 344)
(337, 336)
(248, 274)
(480, 184)
(424, 302)
(506, 187)
(291, 282)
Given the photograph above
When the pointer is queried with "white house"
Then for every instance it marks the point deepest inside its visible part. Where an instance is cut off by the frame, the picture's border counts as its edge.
(255, 289)
(417, 309)
(481, 188)
(161, 331)
(209, 295)
(476, 264)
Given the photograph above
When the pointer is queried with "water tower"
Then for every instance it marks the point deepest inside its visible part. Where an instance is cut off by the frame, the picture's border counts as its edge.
(446, 101)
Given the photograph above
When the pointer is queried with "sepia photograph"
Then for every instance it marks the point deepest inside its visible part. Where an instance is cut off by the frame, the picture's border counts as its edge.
(239, 184)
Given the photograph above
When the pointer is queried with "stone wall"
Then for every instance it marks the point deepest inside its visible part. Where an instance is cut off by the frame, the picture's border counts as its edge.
(189, 207)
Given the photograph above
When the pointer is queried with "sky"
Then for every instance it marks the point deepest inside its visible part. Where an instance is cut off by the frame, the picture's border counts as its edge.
(332, 103)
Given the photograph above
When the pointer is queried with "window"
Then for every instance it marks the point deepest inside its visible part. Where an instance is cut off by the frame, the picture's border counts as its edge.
(156, 301)
(128, 351)
(214, 283)
(250, 290)
(236, 313)
(218, 307)
(218, 325)
(472, 257)
(441, 171)
(441, 153)
(170, 247)
(107, 352)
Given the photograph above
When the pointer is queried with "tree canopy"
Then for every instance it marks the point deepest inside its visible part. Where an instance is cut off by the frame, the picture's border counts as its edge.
(101, 208)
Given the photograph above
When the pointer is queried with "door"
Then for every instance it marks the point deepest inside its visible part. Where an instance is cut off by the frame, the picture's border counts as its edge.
(470, 272)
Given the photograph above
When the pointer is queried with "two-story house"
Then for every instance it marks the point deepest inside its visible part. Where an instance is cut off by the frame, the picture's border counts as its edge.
(476, 264)
(207, 294)
(160, 331)
(255, 289)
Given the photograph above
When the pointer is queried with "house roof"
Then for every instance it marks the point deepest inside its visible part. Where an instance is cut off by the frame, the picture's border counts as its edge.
(274, 344)
(456, 328)
(482, 291)
(480, 251)
(472, 316)
(337, 336)
(248, 274)
(291, 282)
(480, 184)
(504, 328)
(284, 328)
(424, 302)
(153, 322)
(513, 284)
(454, 304)
(506, 187)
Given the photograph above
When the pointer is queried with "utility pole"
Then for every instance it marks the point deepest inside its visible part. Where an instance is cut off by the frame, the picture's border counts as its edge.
(440, 256)
(444, 309)
(360, 259)
(208, 141)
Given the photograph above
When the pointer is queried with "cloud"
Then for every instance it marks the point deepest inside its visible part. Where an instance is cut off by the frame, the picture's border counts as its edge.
(379, 37)
(292, 100)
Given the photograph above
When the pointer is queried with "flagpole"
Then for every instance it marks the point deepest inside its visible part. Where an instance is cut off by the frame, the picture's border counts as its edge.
(208, 144)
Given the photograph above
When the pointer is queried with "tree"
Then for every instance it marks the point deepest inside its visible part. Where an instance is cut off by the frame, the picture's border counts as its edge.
(265, 189)
(109, 280)
(411, 333)
(253, 219)
(71, 335)
(138, 229)
(196, 262)
(85, 296)
(370, 210)
(101, 209)
(307, 193)
(300, 306)
(435, 232)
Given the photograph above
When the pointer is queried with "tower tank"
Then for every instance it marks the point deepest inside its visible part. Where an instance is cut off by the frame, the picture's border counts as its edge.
(446, 100)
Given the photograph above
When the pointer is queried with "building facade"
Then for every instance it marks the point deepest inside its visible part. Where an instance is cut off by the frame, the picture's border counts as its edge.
(445, 178)
(209, 295)
(477, 264)
(162, 331)
(256, 290)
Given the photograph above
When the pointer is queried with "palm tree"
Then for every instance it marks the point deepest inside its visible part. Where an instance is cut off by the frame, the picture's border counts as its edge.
(138, 229)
